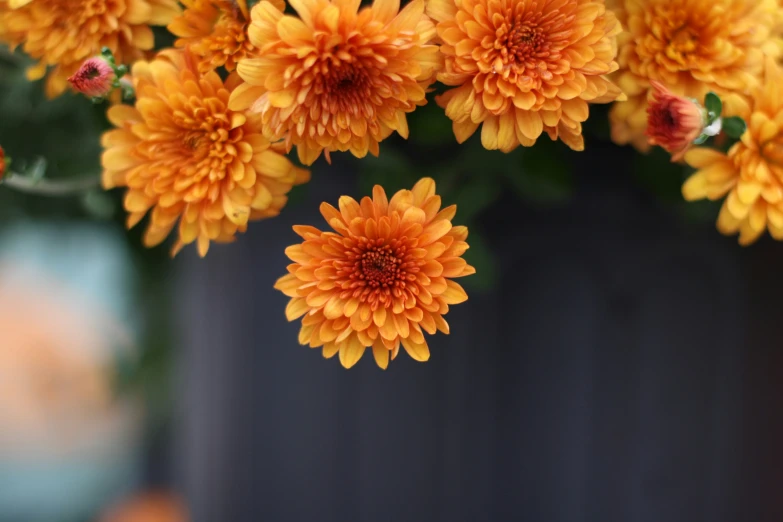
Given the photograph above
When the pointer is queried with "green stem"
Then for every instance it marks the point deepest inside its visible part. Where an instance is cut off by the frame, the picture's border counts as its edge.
(49, 187)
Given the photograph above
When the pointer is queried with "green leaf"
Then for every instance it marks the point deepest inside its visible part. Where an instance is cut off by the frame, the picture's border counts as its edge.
(734, 126)
(701, 139)
(714, 106)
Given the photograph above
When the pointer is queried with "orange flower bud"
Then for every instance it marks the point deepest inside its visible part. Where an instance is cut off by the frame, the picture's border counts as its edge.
(673, 122)
(95, 78)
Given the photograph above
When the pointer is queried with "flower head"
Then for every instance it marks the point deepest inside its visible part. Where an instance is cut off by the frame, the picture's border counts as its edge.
(2, 163)
(673, 122)
(523, 67)
(693, 48)
(752, 170)
(215, 31)
(381, 278)
(184, 154)
(64, 33)
(336, 77)
(95, 78)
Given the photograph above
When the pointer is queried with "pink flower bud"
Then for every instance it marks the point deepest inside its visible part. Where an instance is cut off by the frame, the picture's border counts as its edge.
(673, 122)
(2, 163)
(95, 78)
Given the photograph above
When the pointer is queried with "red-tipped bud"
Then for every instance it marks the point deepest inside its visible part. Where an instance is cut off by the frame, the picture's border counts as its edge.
(673, 122)
(95, 78)
(2, 163)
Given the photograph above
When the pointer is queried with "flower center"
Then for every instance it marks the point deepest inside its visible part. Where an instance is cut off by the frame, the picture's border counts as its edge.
(377, 271)
(682, 43)
(666, 117)
(91, 72)
(347, 86)
(192, 139)
(379, 267)
(527, 43)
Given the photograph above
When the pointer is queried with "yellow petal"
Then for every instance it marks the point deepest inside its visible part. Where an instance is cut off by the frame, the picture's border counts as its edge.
(418, 351)
(334, 307)
(434, 231)
(454, 294)
(330, 349)
(381, 355)
(489, 133)
(296, 308)
(288, 284)
(441, 10)
(385, 10)
(529, 123)
(695, 187)
(351, 351)
(748, 191)
(272, 164)
(422, 190)
(757, 218)
(292, 30)
(379, 316)
(464, 130)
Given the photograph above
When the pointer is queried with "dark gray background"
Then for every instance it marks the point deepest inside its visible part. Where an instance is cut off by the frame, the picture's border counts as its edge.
(626, 369)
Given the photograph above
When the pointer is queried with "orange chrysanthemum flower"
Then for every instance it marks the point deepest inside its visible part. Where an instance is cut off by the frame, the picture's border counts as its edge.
(337, 78)
(752, 170)
(184, 154)
(380, 279)
(691, 47)
(523, 67)
(64, 33)
(215, 31)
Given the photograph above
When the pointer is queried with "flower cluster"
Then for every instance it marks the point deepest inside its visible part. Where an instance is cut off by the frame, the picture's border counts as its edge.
(750, 174)
(692, 47)
(204, 145)
(62, 34)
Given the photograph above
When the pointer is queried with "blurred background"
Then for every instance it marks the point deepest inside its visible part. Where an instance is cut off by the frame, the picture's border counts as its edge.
(618, 359)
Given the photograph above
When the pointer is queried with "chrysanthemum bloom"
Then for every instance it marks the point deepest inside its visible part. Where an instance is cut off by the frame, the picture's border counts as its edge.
(523, 67)
(215, 31)
(337, 78)
(752, 171)
(184, 154)
(64, 33)
(692, 47)
(95, 78)
(673, 122)
(380, 279)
